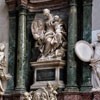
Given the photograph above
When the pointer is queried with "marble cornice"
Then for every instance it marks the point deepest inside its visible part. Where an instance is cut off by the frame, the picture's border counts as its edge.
(11, 4)
(36, 5)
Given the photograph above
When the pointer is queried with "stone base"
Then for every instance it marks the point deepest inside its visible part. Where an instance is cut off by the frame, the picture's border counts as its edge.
(1, 98)
(8, 97)
(18, 96)
(61, 96)
(13, 96)
(47, 71)
(37, 85)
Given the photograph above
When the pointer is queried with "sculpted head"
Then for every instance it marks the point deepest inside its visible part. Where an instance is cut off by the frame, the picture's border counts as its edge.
(56, 18)
(46, 12)
(49, 85)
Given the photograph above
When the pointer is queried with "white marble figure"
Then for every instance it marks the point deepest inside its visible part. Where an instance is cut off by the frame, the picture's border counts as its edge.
(37, 28)
(3, 64)
(47, 93)
(44, 93)
(59, 34)
(2, 55)
(51, 91)
(95, 63)
(50, 36)
(27, 96)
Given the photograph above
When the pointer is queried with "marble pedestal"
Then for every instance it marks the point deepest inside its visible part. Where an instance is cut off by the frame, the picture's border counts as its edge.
(48, 71)
(61, 96)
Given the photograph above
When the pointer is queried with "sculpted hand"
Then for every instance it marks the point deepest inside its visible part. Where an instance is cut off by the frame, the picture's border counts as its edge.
(92, 60)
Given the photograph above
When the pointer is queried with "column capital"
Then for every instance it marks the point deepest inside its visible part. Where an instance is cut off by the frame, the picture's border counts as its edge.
(87, 2)
(21, 8)
(16, 4)
(72, 3)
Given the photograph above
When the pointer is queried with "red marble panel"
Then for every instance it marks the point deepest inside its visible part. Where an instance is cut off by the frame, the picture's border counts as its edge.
(96, 96)
(1, 97)
(86, 96)
(75, 96)
(60, 96)
(71, 96)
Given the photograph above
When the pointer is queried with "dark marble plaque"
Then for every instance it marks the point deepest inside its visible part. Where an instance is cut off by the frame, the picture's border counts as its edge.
(45, 75)
(61, 75)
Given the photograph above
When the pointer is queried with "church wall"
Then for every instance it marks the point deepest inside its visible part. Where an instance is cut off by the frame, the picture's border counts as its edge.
(95, 19)
(4, 21)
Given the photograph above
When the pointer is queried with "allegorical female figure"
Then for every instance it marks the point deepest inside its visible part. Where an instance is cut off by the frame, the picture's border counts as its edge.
(50, 36)
(95, 63)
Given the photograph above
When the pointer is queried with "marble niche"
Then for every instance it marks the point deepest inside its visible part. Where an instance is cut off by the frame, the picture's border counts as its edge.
(50, 37)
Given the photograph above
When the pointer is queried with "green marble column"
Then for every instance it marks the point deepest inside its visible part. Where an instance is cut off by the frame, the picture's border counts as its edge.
(87, 31)
(12, 51)
(72, 38)
(21, 51)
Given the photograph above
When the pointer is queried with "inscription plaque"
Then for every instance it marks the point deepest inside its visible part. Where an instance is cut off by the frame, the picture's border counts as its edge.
(45, 75)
